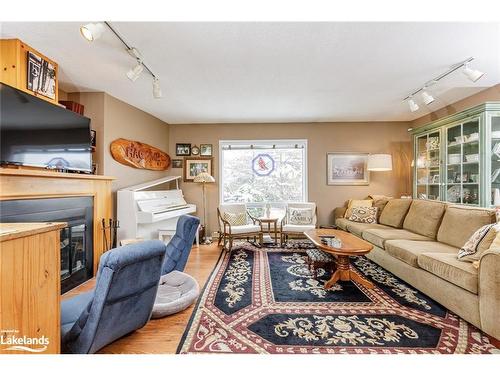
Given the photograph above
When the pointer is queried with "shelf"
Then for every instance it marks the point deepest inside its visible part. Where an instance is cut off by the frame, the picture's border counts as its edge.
(463, 163)
(462, 183)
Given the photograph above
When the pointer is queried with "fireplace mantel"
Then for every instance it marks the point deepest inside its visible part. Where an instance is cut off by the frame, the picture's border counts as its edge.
(33, 184)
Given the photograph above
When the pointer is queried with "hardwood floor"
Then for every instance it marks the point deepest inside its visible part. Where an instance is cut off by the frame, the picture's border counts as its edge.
(161, 336)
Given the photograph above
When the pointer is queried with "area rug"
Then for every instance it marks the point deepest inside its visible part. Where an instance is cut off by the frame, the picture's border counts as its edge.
(266, 301)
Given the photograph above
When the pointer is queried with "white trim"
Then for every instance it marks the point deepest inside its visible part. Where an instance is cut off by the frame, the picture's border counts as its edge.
(302, 142)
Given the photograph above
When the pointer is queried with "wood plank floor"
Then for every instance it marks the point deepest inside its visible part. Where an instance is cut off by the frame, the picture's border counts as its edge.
(161, 336)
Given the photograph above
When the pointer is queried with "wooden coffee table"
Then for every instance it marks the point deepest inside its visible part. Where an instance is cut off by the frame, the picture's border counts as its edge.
(351, 246)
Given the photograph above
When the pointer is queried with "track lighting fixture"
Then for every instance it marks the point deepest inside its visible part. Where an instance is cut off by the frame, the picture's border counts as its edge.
(472, 74)
(413, 106)
(92, 31)
(156, 88)
(135, 72)
(427, 98)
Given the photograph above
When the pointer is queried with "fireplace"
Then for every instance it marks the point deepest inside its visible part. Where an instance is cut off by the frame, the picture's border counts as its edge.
(76, 241)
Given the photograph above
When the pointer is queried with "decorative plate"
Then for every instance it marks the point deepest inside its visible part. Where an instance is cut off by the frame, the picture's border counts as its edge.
(195, 150)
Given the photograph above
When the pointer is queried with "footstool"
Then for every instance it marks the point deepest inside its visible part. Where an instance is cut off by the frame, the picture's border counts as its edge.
(176, 292)
(318, 258)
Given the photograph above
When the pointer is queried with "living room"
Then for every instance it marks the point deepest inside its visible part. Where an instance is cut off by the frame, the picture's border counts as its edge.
(210, 184)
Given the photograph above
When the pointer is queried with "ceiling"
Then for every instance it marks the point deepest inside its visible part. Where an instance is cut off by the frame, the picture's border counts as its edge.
(272, 72)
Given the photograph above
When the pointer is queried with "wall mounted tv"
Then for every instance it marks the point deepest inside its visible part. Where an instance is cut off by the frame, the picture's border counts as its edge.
(36, 133)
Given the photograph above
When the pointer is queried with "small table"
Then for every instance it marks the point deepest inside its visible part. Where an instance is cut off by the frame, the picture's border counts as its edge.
(351, 246)
(269, 221)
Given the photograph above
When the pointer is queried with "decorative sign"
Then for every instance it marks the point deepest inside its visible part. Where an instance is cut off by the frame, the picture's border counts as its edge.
(41, 76)
(139, 155)
(263, 165)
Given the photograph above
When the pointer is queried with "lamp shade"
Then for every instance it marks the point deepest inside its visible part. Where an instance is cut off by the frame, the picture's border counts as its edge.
(204, 177)
(379, 162)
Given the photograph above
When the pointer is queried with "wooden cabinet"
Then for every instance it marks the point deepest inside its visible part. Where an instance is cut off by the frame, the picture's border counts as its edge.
(457, 158)
(30, 288)
(14, 67)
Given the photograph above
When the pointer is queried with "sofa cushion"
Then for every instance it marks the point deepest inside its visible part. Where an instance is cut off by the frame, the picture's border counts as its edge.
(480, 241)
(356, 203)
(449, 268)
(364, 215)
(359, 228)
(408, 251)
(342, 222)
(379, 201)
(394, 212)
(378, 236)
(460, 222)
(424, 217)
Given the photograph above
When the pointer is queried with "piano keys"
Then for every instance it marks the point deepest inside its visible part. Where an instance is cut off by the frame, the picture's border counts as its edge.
(151, 214)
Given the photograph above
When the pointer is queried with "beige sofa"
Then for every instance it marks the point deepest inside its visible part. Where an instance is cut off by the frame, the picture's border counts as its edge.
(418, 241)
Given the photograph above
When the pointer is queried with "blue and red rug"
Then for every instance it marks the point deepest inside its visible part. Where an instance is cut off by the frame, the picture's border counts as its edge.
(266, 301)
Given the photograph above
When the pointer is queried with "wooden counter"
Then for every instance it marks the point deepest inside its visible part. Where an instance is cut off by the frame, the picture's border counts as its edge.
(30, 287)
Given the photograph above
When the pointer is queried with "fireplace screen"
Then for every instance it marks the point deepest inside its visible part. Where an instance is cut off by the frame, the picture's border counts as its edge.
(73, 257)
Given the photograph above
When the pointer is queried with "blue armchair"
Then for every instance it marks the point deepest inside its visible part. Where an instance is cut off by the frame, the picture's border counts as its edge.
(122, 301)
(180, 245)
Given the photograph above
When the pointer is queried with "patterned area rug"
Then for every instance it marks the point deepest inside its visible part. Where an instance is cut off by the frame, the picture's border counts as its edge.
(266, 301)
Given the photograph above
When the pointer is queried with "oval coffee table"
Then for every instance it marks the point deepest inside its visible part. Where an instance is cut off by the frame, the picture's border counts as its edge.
(351, 246)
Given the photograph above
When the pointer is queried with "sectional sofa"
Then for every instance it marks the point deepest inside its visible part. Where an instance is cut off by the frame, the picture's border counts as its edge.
(418, 241)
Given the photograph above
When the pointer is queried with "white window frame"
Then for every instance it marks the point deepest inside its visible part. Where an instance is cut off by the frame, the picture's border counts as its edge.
(268, 142)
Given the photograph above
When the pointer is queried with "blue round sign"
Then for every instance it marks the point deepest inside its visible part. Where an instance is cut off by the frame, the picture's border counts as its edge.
(263, 165)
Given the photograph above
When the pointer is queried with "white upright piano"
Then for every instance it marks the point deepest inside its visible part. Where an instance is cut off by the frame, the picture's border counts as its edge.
(151, 214)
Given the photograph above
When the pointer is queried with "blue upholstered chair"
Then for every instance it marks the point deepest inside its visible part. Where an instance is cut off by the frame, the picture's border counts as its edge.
(122, 301)
(180, 245)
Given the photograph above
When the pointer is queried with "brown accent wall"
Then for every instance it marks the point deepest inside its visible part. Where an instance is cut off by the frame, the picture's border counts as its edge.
(376, 137)
(487, 95)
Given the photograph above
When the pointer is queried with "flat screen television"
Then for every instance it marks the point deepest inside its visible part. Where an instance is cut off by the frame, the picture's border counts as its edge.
(36, 133)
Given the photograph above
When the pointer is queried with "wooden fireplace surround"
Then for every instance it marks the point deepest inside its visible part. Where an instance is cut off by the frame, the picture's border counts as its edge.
(36, 184)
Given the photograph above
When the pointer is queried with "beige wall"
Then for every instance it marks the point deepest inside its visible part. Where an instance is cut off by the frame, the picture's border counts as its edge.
(322, 138)
(122, 120)
(488, 95)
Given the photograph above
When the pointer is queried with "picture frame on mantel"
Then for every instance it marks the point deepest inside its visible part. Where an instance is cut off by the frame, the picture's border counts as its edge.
(347, 168)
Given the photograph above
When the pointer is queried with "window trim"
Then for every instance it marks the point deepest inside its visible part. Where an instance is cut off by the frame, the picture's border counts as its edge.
(301, 142)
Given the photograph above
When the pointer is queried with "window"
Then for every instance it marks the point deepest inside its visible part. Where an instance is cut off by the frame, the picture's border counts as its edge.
(260, 172)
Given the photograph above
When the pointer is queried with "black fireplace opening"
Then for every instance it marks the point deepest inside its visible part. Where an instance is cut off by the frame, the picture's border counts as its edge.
(76, 241)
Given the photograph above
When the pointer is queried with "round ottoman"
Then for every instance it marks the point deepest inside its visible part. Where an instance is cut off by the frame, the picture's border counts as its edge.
(176, 291)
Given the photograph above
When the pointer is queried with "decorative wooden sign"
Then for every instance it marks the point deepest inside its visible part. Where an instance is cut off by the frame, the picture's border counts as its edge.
(139, 155)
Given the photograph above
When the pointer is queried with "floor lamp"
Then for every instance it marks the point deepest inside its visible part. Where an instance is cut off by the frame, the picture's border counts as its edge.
(204, 178)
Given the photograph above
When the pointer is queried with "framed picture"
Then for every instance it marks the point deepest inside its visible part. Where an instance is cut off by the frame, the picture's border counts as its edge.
(92, 138)
(94, 168)
(183, 149)
(206, 149)
(41, 76)
(347, 168)
(194, 166)
(176, 163)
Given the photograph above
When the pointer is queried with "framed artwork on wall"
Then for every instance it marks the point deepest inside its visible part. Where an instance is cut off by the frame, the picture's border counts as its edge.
(347, 168)
(194, 166)
(176, 163)
(183, 149)
(206, 149)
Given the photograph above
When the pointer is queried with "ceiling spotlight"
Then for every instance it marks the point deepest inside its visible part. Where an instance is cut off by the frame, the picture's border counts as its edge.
(426, 97)
(135, 72)
(156, 88)
(413, 106)
(92, 31)
(472, 74)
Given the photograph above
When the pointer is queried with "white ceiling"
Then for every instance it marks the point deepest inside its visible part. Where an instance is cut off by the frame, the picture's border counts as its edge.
(272, 72)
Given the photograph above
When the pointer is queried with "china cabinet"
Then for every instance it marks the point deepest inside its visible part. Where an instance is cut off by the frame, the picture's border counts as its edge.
(457, 158)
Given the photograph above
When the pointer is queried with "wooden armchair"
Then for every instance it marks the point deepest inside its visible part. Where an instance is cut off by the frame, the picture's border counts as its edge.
(228, 232)
(297, 230)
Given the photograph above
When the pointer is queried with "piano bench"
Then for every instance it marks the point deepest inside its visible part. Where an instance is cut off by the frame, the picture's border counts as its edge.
(162, 233)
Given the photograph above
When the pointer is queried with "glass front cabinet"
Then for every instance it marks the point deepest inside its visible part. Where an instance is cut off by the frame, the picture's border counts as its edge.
(457, 158)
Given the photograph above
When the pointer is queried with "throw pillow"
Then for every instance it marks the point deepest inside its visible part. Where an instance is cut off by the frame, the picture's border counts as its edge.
(236, 219)
(379, 201)
(366, 215)
(478, 243)
(300, 216)
(357, 203)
